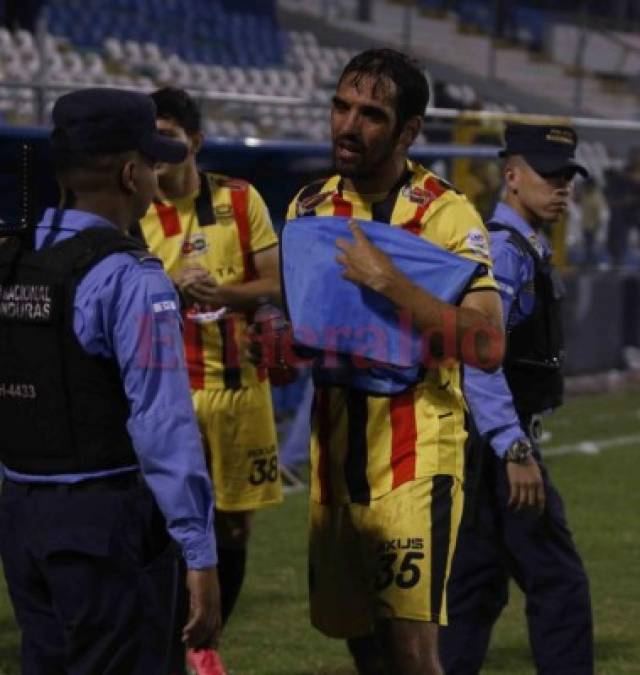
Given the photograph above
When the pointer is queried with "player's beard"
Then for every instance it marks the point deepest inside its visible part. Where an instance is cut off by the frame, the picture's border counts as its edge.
(366, 164)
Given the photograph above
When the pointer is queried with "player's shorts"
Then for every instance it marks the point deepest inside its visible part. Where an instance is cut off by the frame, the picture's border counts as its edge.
(239, 434)
(388, 560)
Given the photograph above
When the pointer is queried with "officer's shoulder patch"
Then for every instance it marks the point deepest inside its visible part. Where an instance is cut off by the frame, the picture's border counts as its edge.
(163, 302)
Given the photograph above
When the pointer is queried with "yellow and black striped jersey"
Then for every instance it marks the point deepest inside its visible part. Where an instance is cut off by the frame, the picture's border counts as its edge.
(219, 227)
(364, 446)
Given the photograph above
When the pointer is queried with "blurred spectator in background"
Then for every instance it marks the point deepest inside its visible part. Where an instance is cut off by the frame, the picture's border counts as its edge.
(623, 194)
(593, 212)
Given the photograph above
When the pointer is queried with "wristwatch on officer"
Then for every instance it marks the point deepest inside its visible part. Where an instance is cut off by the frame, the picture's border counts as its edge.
(519, 452)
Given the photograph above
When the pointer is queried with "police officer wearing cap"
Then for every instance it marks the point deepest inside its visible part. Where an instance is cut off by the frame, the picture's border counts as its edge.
(103, 459)
(514, 524)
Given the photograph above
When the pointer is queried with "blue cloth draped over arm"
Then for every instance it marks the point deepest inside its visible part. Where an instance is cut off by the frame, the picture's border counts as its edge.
(332, 314)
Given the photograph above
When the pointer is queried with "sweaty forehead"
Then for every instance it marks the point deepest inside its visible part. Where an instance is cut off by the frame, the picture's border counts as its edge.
(378, 88)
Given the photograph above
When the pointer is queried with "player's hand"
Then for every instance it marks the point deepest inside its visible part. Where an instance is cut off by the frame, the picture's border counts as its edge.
(365, 263)
(206, 291)
(204, 624)
(187, 278)
(526, 488)
(190, 275)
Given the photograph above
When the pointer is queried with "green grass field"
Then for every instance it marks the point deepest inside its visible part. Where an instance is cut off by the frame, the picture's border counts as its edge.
(270, 634)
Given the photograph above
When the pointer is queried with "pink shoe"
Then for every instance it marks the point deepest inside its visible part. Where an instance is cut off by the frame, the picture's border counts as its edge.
(205, 662)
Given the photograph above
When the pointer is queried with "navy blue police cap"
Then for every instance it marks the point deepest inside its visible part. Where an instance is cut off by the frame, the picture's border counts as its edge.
(100, 121)
(548, 150)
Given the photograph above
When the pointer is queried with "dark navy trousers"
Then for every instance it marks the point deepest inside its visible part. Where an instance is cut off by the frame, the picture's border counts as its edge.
(91, 574)
(537, 551)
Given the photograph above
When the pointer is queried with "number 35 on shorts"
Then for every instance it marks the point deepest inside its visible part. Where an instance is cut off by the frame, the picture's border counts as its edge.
(398, 563)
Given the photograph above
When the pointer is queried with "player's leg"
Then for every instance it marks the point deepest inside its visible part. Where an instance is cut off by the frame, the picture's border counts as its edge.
(232, 534)
(478, 585)
(548, 568)
(241, 436)
(411, 647)
(341, 603)
(398, 646)
(368, 655)
(410, 536)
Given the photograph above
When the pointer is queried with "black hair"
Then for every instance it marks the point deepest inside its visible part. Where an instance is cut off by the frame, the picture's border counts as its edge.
(176, 104)
(412, 90)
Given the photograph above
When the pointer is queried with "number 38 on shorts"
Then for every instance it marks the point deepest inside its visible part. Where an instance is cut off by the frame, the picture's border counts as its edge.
(264, 469)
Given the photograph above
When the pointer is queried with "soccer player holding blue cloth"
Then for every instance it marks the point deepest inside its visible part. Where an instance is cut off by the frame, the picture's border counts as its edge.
(103, 459)
(516, 525)
(387, 456)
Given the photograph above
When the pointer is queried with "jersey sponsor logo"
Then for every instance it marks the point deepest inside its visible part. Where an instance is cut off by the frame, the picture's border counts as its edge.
(223, 211)
(308, 204)
(197, 245)
(26, 302)
(418, 195)
(415, 543)
(229, 271)
(477, 242)
(163, 302)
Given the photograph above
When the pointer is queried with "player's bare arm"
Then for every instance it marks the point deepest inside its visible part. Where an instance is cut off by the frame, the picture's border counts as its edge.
(247, 295)
(480, 313)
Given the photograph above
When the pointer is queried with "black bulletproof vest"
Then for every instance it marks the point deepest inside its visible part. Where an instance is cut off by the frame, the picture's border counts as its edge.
(62, 410)
(535, 347)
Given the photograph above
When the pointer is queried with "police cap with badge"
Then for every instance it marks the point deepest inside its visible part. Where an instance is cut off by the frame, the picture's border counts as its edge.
(548, 150)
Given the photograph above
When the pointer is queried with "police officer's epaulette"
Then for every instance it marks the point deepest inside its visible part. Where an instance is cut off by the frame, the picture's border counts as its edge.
(142, 256)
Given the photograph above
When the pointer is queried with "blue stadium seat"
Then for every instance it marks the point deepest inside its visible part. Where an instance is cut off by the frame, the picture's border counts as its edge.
(239, 23)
